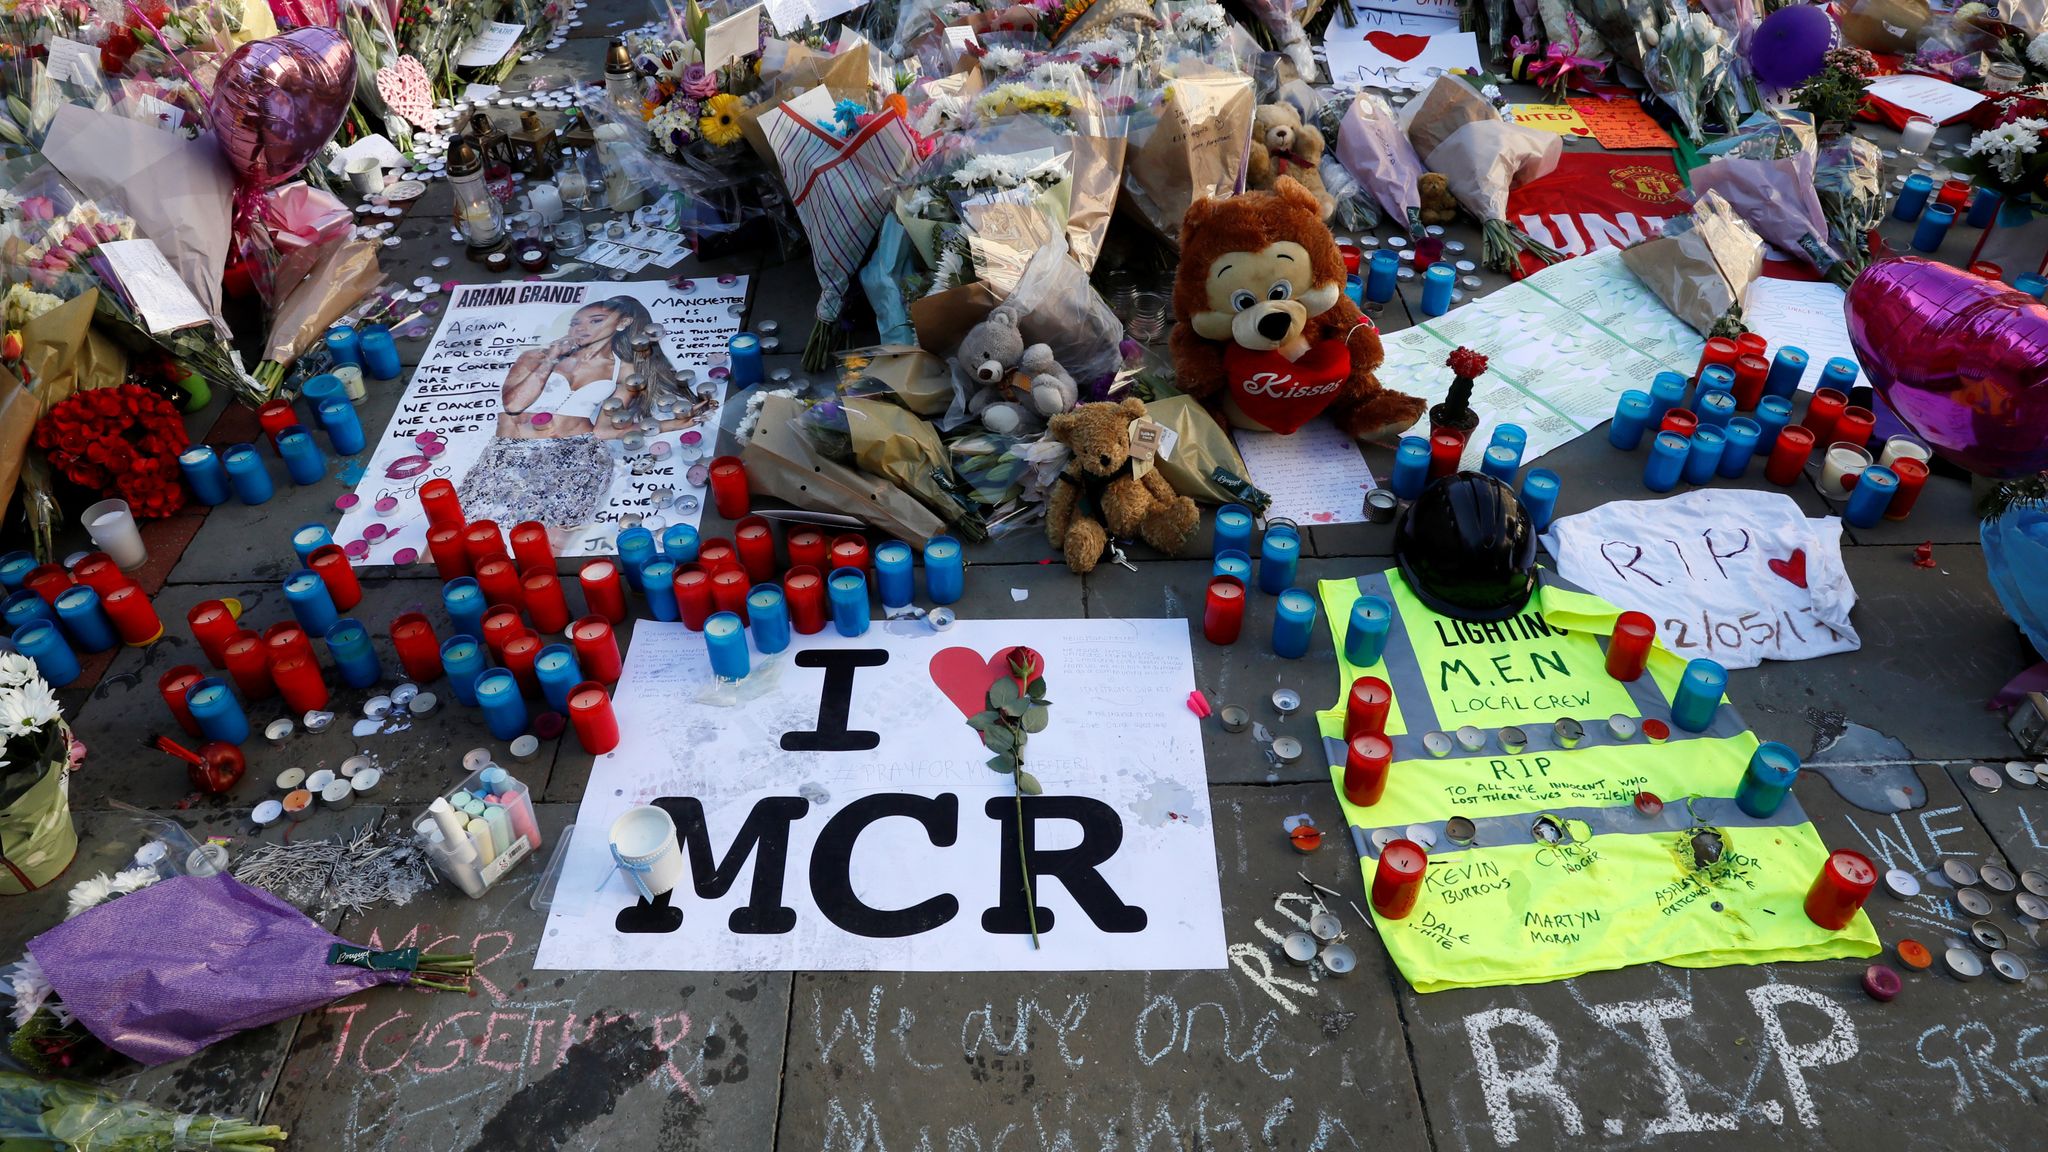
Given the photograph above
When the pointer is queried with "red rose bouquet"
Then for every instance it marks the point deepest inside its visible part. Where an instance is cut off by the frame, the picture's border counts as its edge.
(121, 441)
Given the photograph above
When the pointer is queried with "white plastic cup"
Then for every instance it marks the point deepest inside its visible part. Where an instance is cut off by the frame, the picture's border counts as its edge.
(645, 835)
(112, 526)
(366, 175)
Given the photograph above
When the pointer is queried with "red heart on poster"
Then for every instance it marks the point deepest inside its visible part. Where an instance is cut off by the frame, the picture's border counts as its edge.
(1793, 569)
(1399, 45)
(964, 676)
(1582, 131)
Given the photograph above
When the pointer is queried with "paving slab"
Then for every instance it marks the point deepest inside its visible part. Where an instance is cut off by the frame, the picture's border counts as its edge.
(1259, 1055)
(2016, 817)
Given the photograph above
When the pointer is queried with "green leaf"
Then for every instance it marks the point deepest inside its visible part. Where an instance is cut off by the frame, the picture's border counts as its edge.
(1003, 763)
(1015, 709)
(1002, 692)
(1000, 738)
(983, 721)
(1036, 688)
(1029, 785)
(1035, 719)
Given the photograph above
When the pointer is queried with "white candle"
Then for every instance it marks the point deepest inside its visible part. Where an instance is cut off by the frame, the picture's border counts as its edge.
(1917, 134)
(1903, 446)
(546, 200)
(1842, 460)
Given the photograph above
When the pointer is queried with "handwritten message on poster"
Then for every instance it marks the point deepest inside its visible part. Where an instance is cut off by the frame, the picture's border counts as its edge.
(515, 386)
(1315, 475)
(844, 818)
(1384, 58)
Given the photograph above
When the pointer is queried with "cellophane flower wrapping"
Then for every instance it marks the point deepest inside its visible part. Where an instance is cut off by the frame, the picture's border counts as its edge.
(162, 973)
(1372, 146)
(1778, 199)
(85, 1118)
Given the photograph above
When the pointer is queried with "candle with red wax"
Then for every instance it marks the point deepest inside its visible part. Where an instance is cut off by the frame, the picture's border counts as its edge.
(98, 572)
(1680, 420)
(1223, 615)
(482, 540)
(1912, 476)
(729, 487)
(498, 576)
(1397, 879)
(1366, 760)
(1844, 883)
(1366, 707)
(1751, 344)
(443, 507)
(1789, 454)
(212, 625)
(850, 551)
(807, 549)
(754, 540)
(729, 593)
(1446, 448)
(1750, 374)
(541, 589)
(249, 664)
(716, 554)
(451, 559)
(48, 581)
(501, 624)
(520, 653)
(603, 594)
(133, 615)
(274, 417)
(804, 589)
(287, 639)
(1855, 426)
(693, 596)
(331, 564)
(1823, 412)
(300, 683)
(1718, 350)
(597, 649)
(1628, 650)
(419, 650)
(530, 547)
(590, 713)
(173, 685)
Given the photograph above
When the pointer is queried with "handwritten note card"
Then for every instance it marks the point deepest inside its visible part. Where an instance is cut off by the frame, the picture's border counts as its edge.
(1378, 58)
(733, 37)
(153, 287)
(489, 45)
(1317, 475)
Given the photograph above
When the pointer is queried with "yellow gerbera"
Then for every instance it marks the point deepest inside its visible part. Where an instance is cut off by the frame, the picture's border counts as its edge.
(720, 124)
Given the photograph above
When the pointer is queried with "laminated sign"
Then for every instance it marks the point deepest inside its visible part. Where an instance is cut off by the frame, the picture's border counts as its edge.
(1561, 872)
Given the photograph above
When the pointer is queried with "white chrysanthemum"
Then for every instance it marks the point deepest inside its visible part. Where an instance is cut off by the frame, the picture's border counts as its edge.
(2005, 144)
(1203, 19)
(1491, 92)
(941, 115)
(2037, 50)
(918, 201)
(26, 709)
(30, 988)
(1003, 58)
(134, 880)
(1060, 74)
(89, 894)
(15, 669)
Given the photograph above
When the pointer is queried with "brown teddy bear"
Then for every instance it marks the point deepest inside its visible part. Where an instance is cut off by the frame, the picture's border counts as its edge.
(1283, 145)
(1438, 206)
(1263, 331)
(1105, 492)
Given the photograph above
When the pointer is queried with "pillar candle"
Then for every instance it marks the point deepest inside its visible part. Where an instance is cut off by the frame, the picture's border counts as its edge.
(498, 576)
(1232, 563)
(1294, 618)
(1824, 411)
(14, 569)
(541, 591)
(768, 616)
(302, 459)
(1772, 414)
(442, 505)
(1840, 373)
(729, 487)
(1366, 707)
(1700, 688)
(497, 693)
(1666, 461)
(248, 664)
(307, 539)
(1787, 368)
(1446, 448)
(804, 591)
(893, 573)
(1223, 611)
(743, 353)
(444, 544)
(1365, 637)
(945, 570)
(1768, 779)
(1871, 497)
(286, 638)
(807, 549)
(1631, 420)
(42, 642)
(379, 352)
(135, 619)
(1679, 420)
(1381, 274)
(679, 543)
(1279, 556)
(1742, 435)
(23, 606)
(1500, 462)
(1844, 883)
(729, 593)
(172, 686)
(1913, 197)
(344, 427)
(501, 625)
(1751, 344)
(558, 673)
(1539, 496)
(851, 551)
(48, 581)
(1933, 227)
(591, 715)
(419, 651)
(1703, 455)
(219, 714)
(1397, 879)
(1789, 454)
(311, 604)
(658, 584)
(1716, 408)
(204, 475)
(274, 416)
(1717, 350)
(97, 571)
(1233, 528)
(1751, 374)
(530, 548)
(603, 594)
(1912, 476)
(247, 475)
(1667, 391)
(299, 681)
(1436, 289)
(212, 624)
(1628, 649)
(848, 590)
(482, 540)
(692, 587)
(1856, 425)
(85, 619)
(1411, 475)
(1366, 761)
(465, 604)
(330, 563)
(754, 541)
(726, 640)
(463, 657)
(716, 554)
(348, 642)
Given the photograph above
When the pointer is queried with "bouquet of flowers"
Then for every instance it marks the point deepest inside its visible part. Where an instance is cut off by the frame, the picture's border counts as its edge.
(1778, 199)
(37, 840)
(2011, 155)
(1689, 65)
(60, 1114)
(122, 441)
(1849, 178)
(1835, 94)
(1461, 136)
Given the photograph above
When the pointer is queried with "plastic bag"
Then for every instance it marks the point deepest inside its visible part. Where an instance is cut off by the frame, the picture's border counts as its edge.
(1058, 307)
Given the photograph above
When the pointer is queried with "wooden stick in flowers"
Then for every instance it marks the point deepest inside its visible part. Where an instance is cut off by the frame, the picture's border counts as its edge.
(1017, 707)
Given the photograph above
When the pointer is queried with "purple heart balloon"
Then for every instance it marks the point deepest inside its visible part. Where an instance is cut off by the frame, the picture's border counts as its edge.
(1962, 360)
(279, 100)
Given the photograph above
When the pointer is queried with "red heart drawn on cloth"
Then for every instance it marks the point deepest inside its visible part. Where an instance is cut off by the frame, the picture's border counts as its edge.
(964, 676)
(1793, 569)
(1399, 45)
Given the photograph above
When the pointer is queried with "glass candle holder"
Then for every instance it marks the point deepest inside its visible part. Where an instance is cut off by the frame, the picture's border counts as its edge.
(1631, 420)
(1628, 649)
(1233, 529)
(1223, 611)
(1871, 496)
(246, 474)
(1767, 780)
(1366, 707)
(803, 589)
(1742, 435)
(604, 594)
(895, 573)
(1841, 461)
(1700, 688)
(693, 596)
(1397, 879)
(768, 618)
(1789, 455)
(848, 591)
(726, 640)
(945, 571)
(1411, 474)
(311, 604)
(1539, 491)
(1667, 391)
(42, 642)
(1366, 763)
(1294, 618)
(1844, 883)
(1365, 636)
(597, 649)
(1912, 476)
(1666, 461)
(205, 475)
(1703, 455)
(1279, 557)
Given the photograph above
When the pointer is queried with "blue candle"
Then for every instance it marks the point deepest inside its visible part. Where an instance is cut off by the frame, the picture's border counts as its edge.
(1411, 467)
(1365, 638)
(497, 693)
(1699, 694)
(1913, 197)
(85, 619)
(679, 543)
(40, 641)
(319, 390)
(302, 460)
(464, 599)
(344, 428)
(1703, 455)
(307, 596)
(558, 673)
(1933, 227)
(726, 639)
(219, 714)
(2032, 283)
(247, 475)
(1772, 414)
(462, 658)
(356, 658)
(1513, 435)
(22, 607)
(1839, 374)
(343, 346)
(1381, 275)
(745, 350)
(309, 538)
(1234, 525)
(15, 567)
(1667, 391)
(848, 590)
(658, 584)
(1983, 208)
(636, 550)
(204, 474)
(1354, 287)
(1742, 434)
(1500, 462)
(1787, 367)
(1436, 289)
(1279, 555)
(1668, 451)
(1631, 419)
(1875, 487)
(895, 573)
(1294, 617)
(945, 570)
(1231, 562)
(1768, 779)
(768, 616)
(1716, 407)
(380, 353)
(1539, 496)
(1714, 377)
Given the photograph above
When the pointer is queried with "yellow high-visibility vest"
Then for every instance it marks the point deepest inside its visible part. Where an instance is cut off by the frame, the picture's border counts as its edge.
(1564, 873)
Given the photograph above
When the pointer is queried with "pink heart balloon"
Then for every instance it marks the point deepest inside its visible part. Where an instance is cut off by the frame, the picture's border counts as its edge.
(1962, 360)
(278, 101)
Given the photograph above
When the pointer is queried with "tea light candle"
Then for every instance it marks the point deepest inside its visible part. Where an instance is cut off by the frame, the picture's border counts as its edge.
(603, 594)
(591, 715)
(746, 364)
(1914, 193)
(1789, 455)
(679, 543)
(419, 652)
(1366, 707)
(1700, 688)
(1703, 455)
(726, 639)
(1436, 289)
(1824, 411)
(311, 604)
(729, 486)
(945, 570)
(1666, 462)
(204, 475)
(497, 693)
(556, 668)
(1856, 425)
(299, 681)
(1231, 563)
(894, 573)
(444, 544)
(803, 589)
(1628, 649)
(530, 548)
(848, 590)
(85, 620)
(636, 551)
(1411, 475)
(348, 642)
(1765, 783)
(1294, 618)
(1381, 273)
(1279, 557)
(1667, 391)
(249, 666)
(482, 540)
(692, 586)
(1631, 420)
(344, 429)
(1366, 761)
(1741, 435)
(546, 604)
(219, 714)
(1233, 529)
(1872, 497)
(658, 583)
(1223, 610)
(247, 475)
(1844, 883)
(807, 549)
(1397, 879)
(768, 616)
(1539, 496)
(1365, 636)
(1841, 462)
(1912, 477)
(441, 504)
(1500, 462)
(342, 345)
(1787, 368)
(41, 642)
(1446, 449)
(172, 686)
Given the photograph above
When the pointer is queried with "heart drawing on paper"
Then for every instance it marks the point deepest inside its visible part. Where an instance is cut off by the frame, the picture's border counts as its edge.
(1400, 45)
(1792, 569)
(404, 87)
(1582, 131)
(964, 675)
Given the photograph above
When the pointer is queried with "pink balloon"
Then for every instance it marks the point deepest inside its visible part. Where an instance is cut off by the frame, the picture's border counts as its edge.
(280, 100)
(1961, 359)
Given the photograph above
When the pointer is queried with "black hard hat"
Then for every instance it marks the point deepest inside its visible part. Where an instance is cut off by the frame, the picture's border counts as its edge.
(1467, 549)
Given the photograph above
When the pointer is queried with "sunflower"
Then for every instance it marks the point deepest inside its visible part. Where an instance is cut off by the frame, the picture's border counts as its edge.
(721, 123)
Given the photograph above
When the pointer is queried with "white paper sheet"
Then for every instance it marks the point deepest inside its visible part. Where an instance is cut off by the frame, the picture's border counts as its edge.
(153, 287)
(489, 45)
(1382, 58)
(1938, 100)
(1804, 314)
(1316, 475)
(73, 63)
(733, 37)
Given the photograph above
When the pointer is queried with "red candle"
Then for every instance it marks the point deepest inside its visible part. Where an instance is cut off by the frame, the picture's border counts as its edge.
(1789, 455)
(1912, 476)
(451, 559)
(48, 581)
(1351, 257)
(444, 509)
(597, 649)
(299, 681)
(1751, 344)
(603, 593)
(807, 549)
(693, 595)
(249, 663)
(334, 570)
(501, 624)
(717, 554)
(1446, 448)
(542, 591)
(729, 487)
(1719, 350)
(849, 551)
(173, 685)
(1365, 769)
(1750, 374)
(755, 542)
(498, 576)
(1987, 270)
(1954, 193)
(530, 546)
(804, 589)
(419, 650)
(1680, 420)
(1397, 880)
(729, 593)
(212, 624)
(287, 639)
(1823, 412)
(98, 572)
(1855, 426)
(1366, 708)
(1628, 650)
(520, 653)
(275, 417)
(590, 713)
(1844, 883)
(482, 540)
(1223, 615)
(134, 616)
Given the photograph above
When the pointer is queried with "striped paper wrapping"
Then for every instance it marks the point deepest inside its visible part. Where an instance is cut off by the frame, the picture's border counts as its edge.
(841, 188)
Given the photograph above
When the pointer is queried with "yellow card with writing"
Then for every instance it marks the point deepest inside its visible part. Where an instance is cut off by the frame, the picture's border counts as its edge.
(1562, 119)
